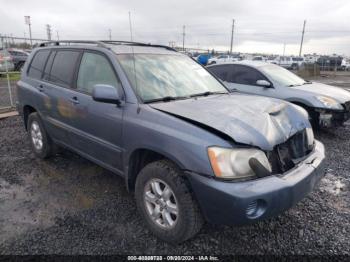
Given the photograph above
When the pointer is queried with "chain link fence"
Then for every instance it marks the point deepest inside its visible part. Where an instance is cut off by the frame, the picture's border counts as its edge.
(13, 54)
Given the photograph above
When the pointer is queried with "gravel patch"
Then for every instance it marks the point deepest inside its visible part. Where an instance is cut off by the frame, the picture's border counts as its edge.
(68, 205)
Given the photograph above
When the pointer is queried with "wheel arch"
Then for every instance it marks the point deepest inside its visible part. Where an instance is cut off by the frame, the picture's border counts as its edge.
(27, 110)
(141, 157)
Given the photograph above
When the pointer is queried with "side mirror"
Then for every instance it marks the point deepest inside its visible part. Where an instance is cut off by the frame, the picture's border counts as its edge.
(106, 94)
(263, 83)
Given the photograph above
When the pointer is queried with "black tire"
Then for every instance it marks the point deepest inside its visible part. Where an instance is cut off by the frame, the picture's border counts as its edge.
(48, 146)
(20, 66)
(189, 220)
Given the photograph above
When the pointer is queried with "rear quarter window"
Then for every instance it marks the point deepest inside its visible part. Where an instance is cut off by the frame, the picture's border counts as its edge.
(36, 67)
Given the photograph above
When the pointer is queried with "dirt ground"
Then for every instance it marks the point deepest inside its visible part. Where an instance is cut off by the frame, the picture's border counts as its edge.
(68, 205)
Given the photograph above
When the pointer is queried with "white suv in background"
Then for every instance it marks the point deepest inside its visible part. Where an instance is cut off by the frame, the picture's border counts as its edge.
(223, 59)
(290, 62)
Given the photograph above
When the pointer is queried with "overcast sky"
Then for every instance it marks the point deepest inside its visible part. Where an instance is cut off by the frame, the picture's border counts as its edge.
(261, 26)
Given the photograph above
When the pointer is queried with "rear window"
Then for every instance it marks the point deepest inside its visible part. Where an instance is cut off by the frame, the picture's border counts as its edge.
(63, 67)
(37, 65)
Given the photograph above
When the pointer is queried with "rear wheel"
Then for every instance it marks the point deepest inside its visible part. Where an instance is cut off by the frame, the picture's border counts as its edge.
(165, 202)
(19, 66)
(41, 143)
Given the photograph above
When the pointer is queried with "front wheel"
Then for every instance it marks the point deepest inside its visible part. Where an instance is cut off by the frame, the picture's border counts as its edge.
(165, 202)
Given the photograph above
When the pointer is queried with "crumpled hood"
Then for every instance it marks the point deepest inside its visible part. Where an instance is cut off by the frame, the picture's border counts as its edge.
(252, 120)
(337, 93)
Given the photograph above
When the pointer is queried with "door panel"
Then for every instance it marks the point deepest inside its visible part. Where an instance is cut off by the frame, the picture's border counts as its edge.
(97, 126)
(58, 81)
(97, 129)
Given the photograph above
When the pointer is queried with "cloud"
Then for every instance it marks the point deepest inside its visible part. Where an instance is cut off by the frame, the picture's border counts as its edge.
(260, 26)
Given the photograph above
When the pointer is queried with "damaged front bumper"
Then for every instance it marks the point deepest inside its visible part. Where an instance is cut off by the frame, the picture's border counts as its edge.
(332, 118)
(238, 203)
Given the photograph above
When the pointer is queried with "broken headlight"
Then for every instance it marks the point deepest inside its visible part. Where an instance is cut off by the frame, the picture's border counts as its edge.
(238, 163)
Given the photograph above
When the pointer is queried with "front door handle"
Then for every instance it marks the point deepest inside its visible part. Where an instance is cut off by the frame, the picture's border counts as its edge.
(74, 100)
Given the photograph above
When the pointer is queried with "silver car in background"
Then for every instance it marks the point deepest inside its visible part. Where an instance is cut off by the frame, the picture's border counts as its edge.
(6, 63)
(328, 106)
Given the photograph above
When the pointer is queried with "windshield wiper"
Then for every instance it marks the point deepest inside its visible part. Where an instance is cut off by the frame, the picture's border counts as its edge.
(207, 93)
(307, 83)
(294, 85)
(165, 99)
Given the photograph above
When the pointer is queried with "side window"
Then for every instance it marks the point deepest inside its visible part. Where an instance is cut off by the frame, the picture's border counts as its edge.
(221, 72)
(246, 76)
(36, 67)
(95, 69)
(63, 67)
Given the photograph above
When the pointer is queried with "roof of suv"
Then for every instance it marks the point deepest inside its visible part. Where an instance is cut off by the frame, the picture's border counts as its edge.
(118, 47)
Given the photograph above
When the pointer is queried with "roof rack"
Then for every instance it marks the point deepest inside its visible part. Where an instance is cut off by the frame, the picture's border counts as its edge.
(68, 42)
(102, 43)
(135, 44)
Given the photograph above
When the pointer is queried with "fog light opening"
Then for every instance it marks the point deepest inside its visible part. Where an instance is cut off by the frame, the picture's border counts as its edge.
(256, 208)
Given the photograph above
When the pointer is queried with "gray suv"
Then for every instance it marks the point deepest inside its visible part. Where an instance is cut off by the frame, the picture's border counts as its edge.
(188, 149)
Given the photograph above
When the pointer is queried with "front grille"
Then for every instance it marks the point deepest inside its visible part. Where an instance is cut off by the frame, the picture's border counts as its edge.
(286, 155)
(347, 106)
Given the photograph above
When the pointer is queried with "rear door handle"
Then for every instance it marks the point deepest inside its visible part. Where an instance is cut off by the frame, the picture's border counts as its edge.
(74, 100)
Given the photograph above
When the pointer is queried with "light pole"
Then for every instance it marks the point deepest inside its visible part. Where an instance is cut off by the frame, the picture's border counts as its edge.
(27, 21)
(233, 26)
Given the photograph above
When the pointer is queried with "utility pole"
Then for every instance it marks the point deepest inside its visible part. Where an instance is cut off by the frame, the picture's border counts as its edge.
(233, 26)
(183, 37)
(27, 21)
(110, 34)
(58, 37)
(2, 41)
(48, 31)
(130, 26)
(302, 38)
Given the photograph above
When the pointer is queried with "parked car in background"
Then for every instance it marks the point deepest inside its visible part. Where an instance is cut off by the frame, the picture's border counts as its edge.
(328, 106)
(345, 65)
(330, 63)
(272, 60)
(189, 150)
(223, 59)
(18, 56)
(290, 62)
(259, 58)
(6, 63)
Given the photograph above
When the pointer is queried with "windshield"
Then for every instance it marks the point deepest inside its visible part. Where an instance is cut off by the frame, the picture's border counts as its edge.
(282, 76)
(158, 76)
